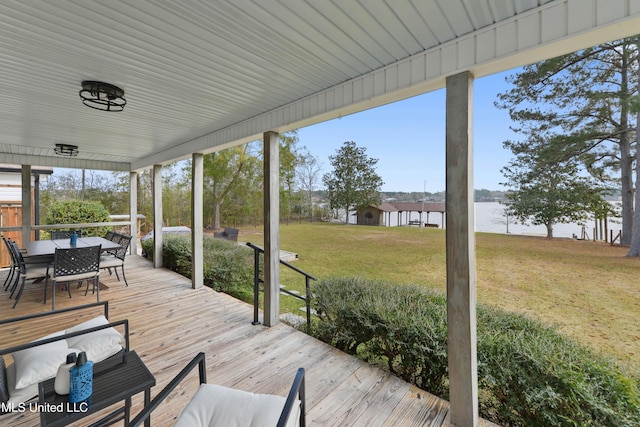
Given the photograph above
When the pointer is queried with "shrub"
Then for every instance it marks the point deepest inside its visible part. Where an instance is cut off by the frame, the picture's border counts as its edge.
(398, 326)
(78, 211)
(532, 375)
(228, 267)
(529, 373)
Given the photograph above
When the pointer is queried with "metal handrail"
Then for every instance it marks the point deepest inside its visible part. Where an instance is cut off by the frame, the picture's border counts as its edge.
(257, 250)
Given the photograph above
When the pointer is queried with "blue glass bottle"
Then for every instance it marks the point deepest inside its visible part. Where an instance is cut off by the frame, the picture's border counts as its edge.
(81, 380)
(74, 238)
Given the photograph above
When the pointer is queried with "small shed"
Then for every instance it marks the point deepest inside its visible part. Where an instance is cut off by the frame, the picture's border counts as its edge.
(375, 215)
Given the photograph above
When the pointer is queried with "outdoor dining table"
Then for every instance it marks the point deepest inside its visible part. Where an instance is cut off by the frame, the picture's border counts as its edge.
(44, 248)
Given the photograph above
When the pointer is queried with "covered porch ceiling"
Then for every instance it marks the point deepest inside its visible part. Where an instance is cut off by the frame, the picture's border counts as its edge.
(200, 76)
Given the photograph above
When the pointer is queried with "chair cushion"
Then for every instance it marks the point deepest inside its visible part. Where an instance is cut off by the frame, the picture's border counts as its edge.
(110, 261)
(36, 271)
(214, 405)
(76, 277)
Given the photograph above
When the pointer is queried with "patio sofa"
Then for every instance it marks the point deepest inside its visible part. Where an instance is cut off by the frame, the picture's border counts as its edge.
(39, 360)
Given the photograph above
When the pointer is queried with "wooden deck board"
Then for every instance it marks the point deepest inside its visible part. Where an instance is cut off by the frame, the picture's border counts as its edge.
(170, 323)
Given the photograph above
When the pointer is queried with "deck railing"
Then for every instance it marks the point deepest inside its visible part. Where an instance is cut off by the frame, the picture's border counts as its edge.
(77, 226)
(257, 250)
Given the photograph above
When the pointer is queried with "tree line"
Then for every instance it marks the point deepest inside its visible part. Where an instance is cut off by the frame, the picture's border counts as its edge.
(233, 187)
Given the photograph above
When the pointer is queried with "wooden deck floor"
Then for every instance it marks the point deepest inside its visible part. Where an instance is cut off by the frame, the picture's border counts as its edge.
(170, 323)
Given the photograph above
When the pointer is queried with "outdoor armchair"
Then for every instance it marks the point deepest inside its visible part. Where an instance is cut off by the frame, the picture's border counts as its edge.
(14, 268)
(25, 272)
(116, 257)
(109, 235)
(222, 406)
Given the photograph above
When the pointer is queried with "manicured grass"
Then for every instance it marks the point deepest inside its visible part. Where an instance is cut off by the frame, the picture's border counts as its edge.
(590, 290)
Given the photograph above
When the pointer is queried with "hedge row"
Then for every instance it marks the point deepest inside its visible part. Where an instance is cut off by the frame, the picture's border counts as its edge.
(228, 267)
(529, 374)
(77, 212)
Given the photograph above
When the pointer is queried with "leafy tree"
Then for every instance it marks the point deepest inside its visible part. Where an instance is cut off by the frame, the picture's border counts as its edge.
(634, 247)
(581, 103)
(145, 197)
(288, 161)
(308, 173)
(176, 195)
(222, 172)
(504, 217)
(353, 183)
(545, 190)
(244, 204)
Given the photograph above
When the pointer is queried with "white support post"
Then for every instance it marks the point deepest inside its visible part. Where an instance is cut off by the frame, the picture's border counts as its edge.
(460, 242)
(157, 216)
(271, 228)
(197, 222)
(26, 204)
(133, 211)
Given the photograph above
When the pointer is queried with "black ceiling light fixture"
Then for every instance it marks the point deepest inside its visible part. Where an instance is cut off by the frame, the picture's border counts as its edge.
(66, 150)
(102, 96)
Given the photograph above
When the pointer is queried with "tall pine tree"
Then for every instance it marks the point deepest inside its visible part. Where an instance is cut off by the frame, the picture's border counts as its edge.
(581, 103)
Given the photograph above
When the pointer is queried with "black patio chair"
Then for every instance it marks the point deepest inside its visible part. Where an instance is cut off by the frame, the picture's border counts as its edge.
(64, 234)
(217, 405)
(74, 265)
(115, 258)
(26, 272)
(13, 268)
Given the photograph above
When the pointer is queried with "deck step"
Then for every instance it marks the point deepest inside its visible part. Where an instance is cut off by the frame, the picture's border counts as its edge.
(304, 309)
(292, 319)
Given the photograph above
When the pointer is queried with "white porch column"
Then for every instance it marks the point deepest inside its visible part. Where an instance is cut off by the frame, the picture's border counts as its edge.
(197, 222)
(157, 216)
(26, 204)
(461, 286)
(133, 211)
(271, 228)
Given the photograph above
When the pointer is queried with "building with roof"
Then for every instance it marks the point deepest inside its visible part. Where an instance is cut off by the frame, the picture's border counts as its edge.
(382, 214)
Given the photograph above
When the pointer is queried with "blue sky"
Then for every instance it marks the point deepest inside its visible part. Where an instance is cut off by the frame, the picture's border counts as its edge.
(408, 138)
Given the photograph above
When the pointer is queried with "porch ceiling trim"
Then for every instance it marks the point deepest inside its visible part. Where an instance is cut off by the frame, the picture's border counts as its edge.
(550, 30)
(63, 162)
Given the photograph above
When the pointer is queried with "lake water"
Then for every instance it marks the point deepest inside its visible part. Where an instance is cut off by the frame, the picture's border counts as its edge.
(489, 218)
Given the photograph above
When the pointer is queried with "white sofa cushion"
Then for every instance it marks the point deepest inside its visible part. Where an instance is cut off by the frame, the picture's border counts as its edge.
(17, 396)
(40, 362)
(214, 405)
(99, 344)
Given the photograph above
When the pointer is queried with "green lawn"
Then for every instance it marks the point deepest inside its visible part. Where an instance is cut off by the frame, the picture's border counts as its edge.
(591, 290)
